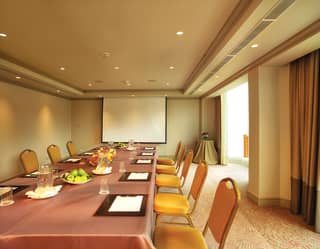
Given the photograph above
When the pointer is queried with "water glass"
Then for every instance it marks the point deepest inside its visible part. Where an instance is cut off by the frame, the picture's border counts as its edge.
(104, 187)
(45, 178)
(122, 167)
(131, 143)
(6, 196)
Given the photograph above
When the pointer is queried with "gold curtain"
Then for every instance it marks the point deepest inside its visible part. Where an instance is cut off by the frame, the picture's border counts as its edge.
(304, 100)
(217, 134)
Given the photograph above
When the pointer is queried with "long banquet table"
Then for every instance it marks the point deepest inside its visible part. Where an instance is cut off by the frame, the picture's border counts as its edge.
(67, 220)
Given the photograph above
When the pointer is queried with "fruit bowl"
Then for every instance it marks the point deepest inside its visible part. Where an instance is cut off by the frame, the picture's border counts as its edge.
(76, 176)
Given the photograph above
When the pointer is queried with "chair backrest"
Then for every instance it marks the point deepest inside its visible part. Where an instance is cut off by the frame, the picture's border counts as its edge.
(54, 153)
(177, 151)
(224, 208)
(181, 154)
(29, 160)
(71, 148)
(186, 166)
(198, 182)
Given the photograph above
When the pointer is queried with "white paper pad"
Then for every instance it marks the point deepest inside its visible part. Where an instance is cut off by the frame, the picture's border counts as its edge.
(73, 160)
(138, 176)
(126, 204)
(33, 173)
(147, 153)
(88, 153)
(144, 161)
(149, 148)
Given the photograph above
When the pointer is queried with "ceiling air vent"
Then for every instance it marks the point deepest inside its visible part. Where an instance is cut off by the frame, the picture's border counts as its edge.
(275, 12)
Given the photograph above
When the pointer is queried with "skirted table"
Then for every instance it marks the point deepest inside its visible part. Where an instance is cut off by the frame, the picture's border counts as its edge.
(205, 150)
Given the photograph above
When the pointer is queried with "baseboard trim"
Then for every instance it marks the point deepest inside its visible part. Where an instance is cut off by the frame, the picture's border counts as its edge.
(269, 202)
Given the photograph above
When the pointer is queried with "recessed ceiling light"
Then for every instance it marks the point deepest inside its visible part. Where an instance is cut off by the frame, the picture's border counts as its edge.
(171, 67)
(62, 68)
(106, 54)
(58, 91)
(90, 84)
(18, 77)
(179, 33)
(116, 68)
(268, 19)
(254, 45)
(217, 76)
(3, 35)
(168, 83)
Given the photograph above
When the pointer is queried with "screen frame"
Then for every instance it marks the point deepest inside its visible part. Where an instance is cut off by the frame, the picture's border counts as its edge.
(143, 142)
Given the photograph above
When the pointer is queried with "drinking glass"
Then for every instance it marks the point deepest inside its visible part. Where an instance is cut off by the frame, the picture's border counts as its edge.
(122, 167)
(104, 187)
(6, 196)
(131, 143)
(45, 178)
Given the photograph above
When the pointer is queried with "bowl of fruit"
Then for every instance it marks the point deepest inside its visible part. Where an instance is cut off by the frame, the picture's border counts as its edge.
(76, 176)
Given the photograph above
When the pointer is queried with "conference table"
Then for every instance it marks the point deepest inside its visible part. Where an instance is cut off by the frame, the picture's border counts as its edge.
(68, 220)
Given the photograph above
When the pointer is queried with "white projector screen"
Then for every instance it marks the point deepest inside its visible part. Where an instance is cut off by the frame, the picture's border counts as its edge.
(142, 119)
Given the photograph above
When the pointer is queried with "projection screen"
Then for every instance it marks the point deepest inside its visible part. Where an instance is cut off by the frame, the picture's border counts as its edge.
(142, 119)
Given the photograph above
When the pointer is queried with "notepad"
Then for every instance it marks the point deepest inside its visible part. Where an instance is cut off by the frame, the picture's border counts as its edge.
(33, 174)
(126, 204)
(147, 154)
(88, 153)
(149, 148)
(144, 161)
(138, 176)
(73, 160)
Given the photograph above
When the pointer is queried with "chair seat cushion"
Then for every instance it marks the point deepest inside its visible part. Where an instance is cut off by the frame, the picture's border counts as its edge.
(164, 180)
(165, 161)
(166, 169)
(176, 237)
(170, 203)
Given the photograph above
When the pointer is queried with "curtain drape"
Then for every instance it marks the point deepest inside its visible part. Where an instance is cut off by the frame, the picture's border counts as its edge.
(223, 130)
(304, 100)
(217, 138)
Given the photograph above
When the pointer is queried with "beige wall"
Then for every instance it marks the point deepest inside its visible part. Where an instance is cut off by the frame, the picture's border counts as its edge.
(269, 125)
(30, 119)
(284, 132)
(86, 123)
(183, 123)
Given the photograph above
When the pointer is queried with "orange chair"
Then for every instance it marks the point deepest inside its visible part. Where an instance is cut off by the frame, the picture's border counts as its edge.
(170, 161)
(172, 204)
(172, 169)
(54, 153)
(29, 160)
(224, 208)
(173, 181)
(71, 148)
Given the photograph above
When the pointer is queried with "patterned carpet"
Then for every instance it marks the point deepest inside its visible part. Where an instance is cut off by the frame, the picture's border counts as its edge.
(253, 227)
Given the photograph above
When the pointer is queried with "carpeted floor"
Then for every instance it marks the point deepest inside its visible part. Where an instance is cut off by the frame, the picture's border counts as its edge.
(253, 227)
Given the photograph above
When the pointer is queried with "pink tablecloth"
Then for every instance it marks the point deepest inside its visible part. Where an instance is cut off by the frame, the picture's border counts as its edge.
(67, 220)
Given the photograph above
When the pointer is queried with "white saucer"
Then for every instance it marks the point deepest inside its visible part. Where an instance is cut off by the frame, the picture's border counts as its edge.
(107, 171)
(38, 196)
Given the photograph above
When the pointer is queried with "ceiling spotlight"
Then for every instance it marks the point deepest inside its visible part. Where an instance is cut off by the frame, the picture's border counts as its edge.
(58, 91)
(268, 19)
(18, 77)
(168, 83)
(254, 45)
(106, 54)
(171, 67)
(217, 76)
(3, 35)
(116, 68)
(62, 68)
(179, 33)
(90, 84)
